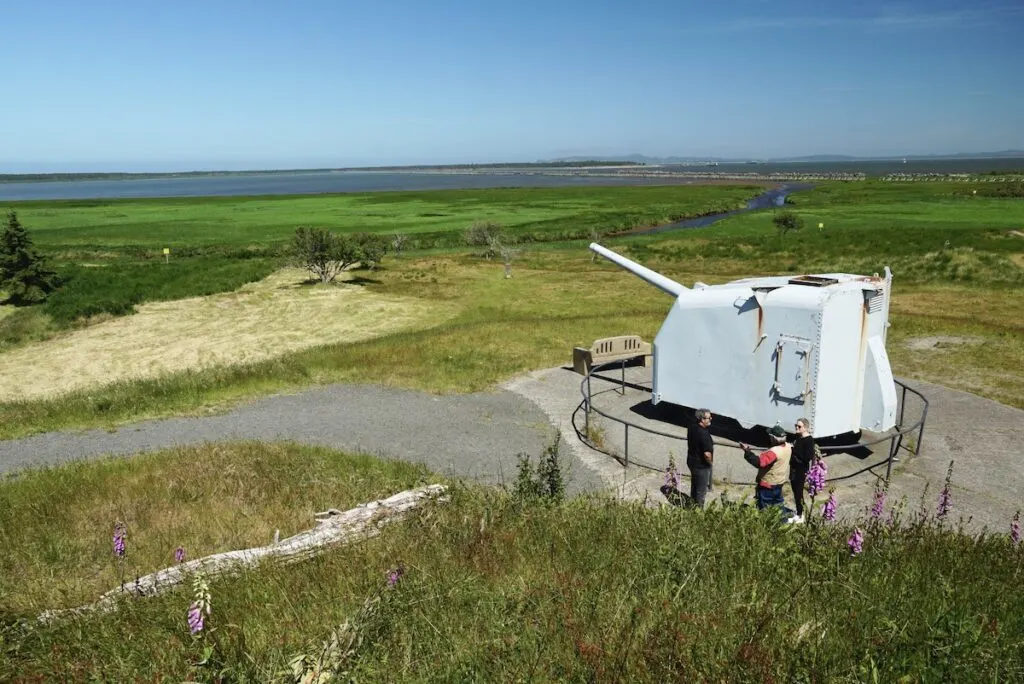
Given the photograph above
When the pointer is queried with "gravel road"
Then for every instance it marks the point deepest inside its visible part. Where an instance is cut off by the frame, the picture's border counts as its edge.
(476, 436)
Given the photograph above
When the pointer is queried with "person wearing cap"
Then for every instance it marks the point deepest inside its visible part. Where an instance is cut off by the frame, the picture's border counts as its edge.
(772, 468)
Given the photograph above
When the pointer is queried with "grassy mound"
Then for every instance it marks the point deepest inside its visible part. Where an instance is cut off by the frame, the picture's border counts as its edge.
(496, 588)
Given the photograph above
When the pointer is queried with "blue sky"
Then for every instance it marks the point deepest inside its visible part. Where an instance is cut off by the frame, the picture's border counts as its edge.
(227, 85)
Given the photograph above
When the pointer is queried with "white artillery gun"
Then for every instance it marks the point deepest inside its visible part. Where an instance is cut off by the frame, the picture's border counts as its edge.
(767, 351)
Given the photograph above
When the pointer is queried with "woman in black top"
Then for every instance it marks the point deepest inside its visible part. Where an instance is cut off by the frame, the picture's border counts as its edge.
(803, 457)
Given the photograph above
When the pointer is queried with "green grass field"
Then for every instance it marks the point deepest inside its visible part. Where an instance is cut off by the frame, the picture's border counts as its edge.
(239, 222)
(495, 588)
(110, 252)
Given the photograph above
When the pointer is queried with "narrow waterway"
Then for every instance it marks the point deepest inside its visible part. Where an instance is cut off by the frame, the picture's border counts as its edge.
(776, 197)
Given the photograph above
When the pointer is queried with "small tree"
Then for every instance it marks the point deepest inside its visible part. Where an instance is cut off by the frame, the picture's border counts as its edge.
(484, 234)
(786, 221)
(323, 253)
(398, 241)
(24, 273)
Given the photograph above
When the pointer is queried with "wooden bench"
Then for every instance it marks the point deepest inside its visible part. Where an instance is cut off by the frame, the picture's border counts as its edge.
(622, 348)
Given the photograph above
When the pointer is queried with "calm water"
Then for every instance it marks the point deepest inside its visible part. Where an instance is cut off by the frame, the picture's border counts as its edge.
(353, 181)
(872, 168)
(294, 184)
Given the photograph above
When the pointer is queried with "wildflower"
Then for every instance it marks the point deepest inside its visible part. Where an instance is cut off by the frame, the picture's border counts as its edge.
(1015, 529)
(119, 534)
(945, 498)
(856, 541)
(195, 619)
(828, 511)
(201, 604)
(395, 575)
(671, 474)
(879, 505)
(945, 503)
(816, 477)
(179, 554)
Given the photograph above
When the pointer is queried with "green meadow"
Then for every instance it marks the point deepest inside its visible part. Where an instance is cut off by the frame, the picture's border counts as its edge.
(218, 223)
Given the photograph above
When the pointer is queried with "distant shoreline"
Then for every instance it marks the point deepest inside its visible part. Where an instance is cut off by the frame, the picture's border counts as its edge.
(823, 170)
(441, 168)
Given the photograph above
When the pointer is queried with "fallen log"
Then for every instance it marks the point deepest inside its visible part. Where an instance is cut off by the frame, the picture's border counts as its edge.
(333, 527)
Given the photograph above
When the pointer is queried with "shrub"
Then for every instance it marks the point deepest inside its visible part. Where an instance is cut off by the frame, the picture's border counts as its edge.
(326, 255)
(545, 482)
(786, 221)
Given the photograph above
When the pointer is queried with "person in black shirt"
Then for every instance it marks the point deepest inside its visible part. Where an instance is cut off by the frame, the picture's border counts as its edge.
(700, 451)
(803, 457)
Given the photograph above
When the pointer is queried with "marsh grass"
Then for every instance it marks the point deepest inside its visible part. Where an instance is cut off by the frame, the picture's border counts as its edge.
(198, 223)
(56, 524)
(588, 590)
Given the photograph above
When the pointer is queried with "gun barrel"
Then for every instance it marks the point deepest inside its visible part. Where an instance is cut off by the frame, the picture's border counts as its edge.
(666, 285)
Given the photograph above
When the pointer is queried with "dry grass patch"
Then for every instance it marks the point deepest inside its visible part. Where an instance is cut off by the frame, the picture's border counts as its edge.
(207, 499)
(277, 315)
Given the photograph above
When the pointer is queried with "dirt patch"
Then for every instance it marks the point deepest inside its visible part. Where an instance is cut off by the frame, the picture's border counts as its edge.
(941, 342)
(261, 320)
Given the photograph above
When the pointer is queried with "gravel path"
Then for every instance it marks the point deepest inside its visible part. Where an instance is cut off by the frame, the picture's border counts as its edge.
(476, 436)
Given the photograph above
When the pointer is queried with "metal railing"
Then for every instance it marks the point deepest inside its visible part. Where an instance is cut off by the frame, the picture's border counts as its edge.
(896, 439)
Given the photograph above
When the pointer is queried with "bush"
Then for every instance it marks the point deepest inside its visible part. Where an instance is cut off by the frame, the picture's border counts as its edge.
(546, 481)
(786, 221)
(326, 255)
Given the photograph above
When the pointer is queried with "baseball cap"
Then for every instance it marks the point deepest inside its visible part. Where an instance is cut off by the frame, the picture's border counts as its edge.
(777, 431)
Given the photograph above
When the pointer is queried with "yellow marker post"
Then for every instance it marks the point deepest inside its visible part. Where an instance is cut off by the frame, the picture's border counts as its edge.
(167, 255)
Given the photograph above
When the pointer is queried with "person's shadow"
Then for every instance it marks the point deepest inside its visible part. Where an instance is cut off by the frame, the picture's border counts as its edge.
(676, 497)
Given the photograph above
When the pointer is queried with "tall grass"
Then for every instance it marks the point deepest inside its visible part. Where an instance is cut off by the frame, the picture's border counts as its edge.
(115, 287)
(56, 523)
(499, 589)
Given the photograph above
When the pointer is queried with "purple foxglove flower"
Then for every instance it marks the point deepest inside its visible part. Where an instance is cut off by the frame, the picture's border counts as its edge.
(195, 619)
(945, 503)
(828, 511)
(816, 477)
(879, 506)
(856, 542)
(1015, 529)
(179, 554)
(119, 534)
(395, 575)
(670, 479)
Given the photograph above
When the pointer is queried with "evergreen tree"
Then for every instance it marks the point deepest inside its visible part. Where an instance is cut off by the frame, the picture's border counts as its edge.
(24, 273)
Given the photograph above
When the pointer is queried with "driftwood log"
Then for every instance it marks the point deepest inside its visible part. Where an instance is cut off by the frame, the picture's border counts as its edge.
(333, 527)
